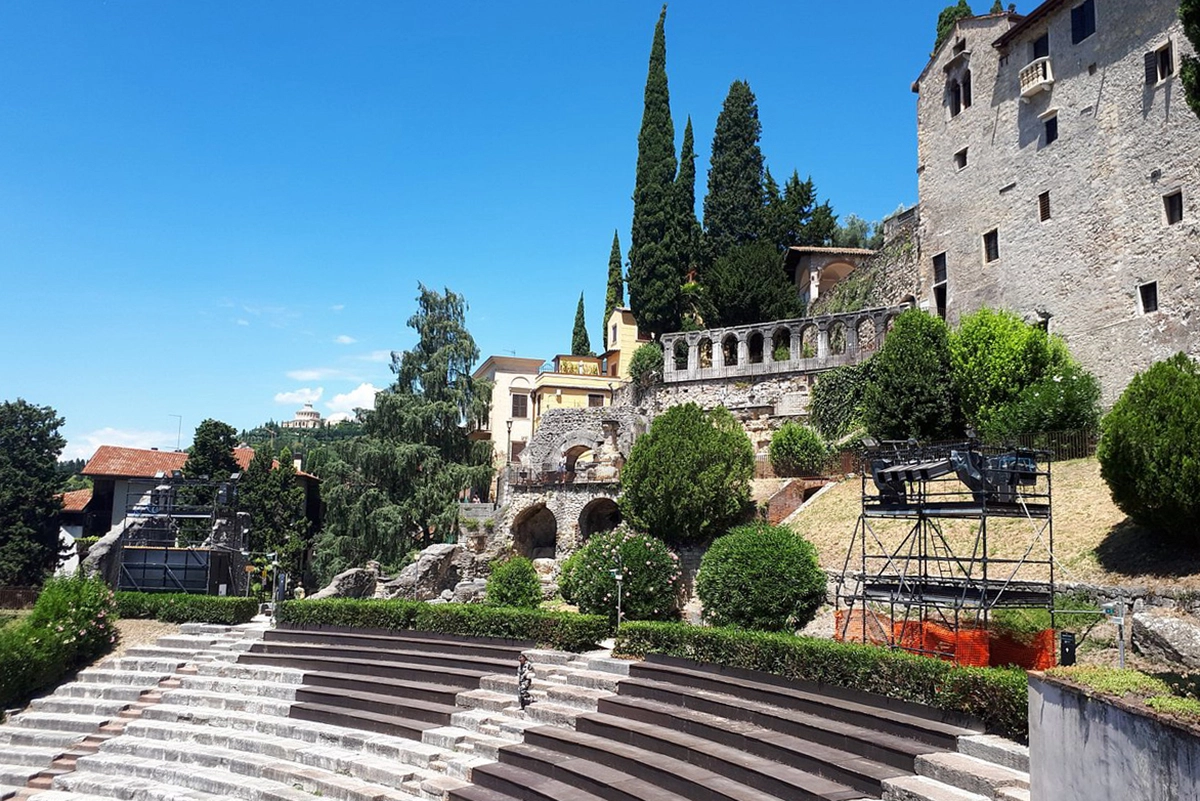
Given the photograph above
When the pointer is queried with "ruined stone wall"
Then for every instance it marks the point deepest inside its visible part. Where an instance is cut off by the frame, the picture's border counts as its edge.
(613, 428)
(1122, 145)
(889, 278)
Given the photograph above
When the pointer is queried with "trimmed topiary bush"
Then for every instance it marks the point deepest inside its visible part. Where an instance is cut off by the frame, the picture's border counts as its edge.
(646, 364)
(514, 583)
(912, 392)
(688, 477)
(1149, 450)
(179, 607)
(797, 450)
(761, 577)
(651, 586)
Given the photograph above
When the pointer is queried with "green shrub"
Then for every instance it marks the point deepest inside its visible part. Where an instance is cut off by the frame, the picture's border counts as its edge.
(1067, 400)
(911, 392)
(563, 630)
(646, 364)
(651, 586)
(996, 696)
(184, 608)
(761, 577)
(1149, 450)
(70, 626)
(797, 450)
(566, 577)
(836, 405)
(688, 477)
(514, 583)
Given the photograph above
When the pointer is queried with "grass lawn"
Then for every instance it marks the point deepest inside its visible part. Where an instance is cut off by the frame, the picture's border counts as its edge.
(1093, 540)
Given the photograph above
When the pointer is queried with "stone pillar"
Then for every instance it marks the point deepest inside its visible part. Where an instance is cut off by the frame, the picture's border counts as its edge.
(743, 349)
(852, 338)
(823, 339)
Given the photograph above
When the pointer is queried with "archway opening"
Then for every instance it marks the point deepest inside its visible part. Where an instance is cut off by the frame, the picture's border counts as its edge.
(535, 533)
(837, 339)
(681, 355)
(808, 342)
(600, 515)
(781, 345)
(729, 348)
(866, 335)
(756, 348)
(705, 353)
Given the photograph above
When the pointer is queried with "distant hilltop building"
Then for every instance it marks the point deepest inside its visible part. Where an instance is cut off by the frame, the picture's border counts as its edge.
(1058, 167)
(308, 417)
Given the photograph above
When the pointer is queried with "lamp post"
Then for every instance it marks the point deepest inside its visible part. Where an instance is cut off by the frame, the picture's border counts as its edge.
(618, 575)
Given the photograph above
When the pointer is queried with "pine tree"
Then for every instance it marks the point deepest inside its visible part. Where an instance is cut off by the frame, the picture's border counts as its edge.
(688, 231)
(614, 298)
(1189, 67)
(654, 278)
(733, 208)
(29, 499)
(211, 453)
(580, 344)
(997, 8)
(948, 19)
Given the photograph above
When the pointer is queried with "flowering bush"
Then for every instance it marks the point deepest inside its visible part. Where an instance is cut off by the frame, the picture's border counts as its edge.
(70, 625)
(650, 588)
(514, 583)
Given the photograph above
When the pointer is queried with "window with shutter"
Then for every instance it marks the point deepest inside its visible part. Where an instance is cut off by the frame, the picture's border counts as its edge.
(939, 268)
(1041, 46)
(1148, 297)
(1051, 129)
(991, 245)
(1044, 206)
(1173, 206)
(966, 89)
(1160, 64)
(1083, 21)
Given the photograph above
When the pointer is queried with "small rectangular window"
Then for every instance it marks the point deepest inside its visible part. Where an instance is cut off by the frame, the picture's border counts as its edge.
(939, 268)
(595, 400)
(960, 158)
(1083, 21)
(1044, 206)
(612, 338)
(1173, 206)
(966, 89)
(1148, 297)
(955, 89)
(515, 454)
(939, 299)
(520, 406)
(1041, 47)
(1160, 64)
(1051, 129)
(991, 245)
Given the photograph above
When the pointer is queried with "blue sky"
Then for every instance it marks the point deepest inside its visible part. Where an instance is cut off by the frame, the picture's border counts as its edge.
(220, 209)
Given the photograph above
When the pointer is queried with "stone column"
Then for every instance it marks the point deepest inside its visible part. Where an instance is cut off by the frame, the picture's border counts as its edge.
(743, 349)
(823, 339)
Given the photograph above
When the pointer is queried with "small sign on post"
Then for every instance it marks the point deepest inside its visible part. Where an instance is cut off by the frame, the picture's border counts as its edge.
(1067, 648)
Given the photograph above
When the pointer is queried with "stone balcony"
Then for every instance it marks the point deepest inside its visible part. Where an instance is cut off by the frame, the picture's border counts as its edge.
(811, 344)
(1036, 76)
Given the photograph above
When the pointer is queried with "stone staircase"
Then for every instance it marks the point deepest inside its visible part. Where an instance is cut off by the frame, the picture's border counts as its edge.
(285, 715)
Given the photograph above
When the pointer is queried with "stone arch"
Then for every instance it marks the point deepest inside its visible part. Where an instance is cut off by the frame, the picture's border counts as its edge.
(837, 338)
(866, 335)
(908, 300)
(781, 344)
(535, 533)
(601, 514)
(755, 348)
(729, 351)
(831, 275)
(681, 354)
(704, 352)
(808, 342)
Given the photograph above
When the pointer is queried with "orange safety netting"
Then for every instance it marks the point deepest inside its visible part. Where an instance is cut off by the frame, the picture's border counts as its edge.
(969, 645)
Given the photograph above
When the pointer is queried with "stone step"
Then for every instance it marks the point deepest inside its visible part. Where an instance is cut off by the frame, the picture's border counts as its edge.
(542, 656)
(241, 703)
(158, 651)
(28, 755)
(18, 775)
(1013, 794)
(583, 698)
(108, 692)
(130, 677)
(128, 788)
(274, 735)
(991, 748)
(74, 705)
(545, 713)
(245, 672)
(8, 791)
(970, 773)
(490, 700)
(594, 679)
(59, 722)
(146, 664)
(38, 738)
(63, 795)
(607, 664)
(250, 777)
(229, 686)
(922, 788)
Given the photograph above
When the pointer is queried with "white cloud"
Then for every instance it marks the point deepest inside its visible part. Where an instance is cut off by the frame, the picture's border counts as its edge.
(243, 322)
(319, 374)
(361, 397)
(338, 307)
(84, 446)
(338, 417)
(377, 356)
(302, 395)
(344, 340)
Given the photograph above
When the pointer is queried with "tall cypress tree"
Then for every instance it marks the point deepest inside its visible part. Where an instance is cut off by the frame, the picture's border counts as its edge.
(733, 208)
(614, 298)
(654, 278)
(687, 226)
(1189, 68)
(580, 344)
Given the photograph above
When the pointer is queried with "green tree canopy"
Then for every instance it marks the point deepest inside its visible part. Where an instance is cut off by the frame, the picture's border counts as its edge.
(274, 499)
(211, 453)
(654, 276)
(948, 19)
(397, 485)
(794, 217)
(29, 499)
(748, 285)
(733, 207)
(686, 236)
(614, 297)
(911, 392)
(688, 477)
(1189, 66)
(581, 345)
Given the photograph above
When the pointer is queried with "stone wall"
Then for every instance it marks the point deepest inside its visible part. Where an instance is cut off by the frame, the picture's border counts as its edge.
(609, 431)
(1083, 748)
(1122, 145)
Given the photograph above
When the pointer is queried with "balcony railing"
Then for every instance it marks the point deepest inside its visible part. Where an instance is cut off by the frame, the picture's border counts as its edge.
(1036, 76)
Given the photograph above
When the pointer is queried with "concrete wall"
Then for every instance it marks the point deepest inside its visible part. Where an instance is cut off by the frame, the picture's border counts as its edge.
(1085, 749)
(1122, 145)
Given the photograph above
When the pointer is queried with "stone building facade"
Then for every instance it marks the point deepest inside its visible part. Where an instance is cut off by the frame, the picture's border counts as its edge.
(1059, 168)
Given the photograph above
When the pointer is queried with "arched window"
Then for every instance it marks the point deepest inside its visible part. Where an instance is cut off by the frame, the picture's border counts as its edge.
(681, 355)
(704, 353)
(808, 342)
(755, 347)
(781, 345)
(729, 351)
(866, 335)
(837, 338)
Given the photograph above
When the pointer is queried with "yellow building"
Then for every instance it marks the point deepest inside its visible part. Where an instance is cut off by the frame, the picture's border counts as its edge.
(510, 421)
(574, 382)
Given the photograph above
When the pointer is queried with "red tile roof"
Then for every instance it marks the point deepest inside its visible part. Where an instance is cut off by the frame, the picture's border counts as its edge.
(114, 461)
(76, 500)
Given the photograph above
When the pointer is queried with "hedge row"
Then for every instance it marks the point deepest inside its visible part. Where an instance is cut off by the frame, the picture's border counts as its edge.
(996, 696)
(563, 630)
(70, 626)
(184, 608)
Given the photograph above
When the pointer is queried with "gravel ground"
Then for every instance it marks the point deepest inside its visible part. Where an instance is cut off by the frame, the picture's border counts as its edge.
(139, 632)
